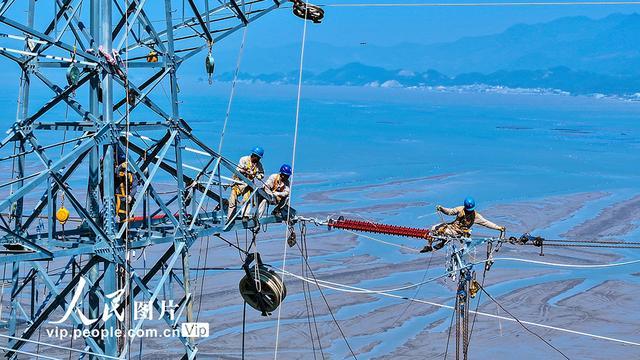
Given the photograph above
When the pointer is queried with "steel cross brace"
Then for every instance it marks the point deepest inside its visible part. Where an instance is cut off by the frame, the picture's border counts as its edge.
(59, 301)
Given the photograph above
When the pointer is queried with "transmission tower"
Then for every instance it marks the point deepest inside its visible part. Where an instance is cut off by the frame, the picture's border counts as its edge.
(106, 63)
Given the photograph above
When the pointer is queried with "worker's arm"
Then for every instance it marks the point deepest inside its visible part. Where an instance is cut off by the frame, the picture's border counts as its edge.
(282, 194)
(447, 211)
(480, 220)
(242, 166)
(260, 173)
(268, 185)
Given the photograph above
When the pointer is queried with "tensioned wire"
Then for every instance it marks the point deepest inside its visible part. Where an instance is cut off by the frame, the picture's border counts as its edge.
(360, 289)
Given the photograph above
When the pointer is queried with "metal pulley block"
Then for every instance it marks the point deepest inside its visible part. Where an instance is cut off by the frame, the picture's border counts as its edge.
(261, 287)
(313, 12)
(474, 286)
(210, 65)
(131, 97)
(291, 239)
(73, 75)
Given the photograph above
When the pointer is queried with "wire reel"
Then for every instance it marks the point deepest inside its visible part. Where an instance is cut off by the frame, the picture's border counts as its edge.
(314, 12)
(73, 75)
(261, 287)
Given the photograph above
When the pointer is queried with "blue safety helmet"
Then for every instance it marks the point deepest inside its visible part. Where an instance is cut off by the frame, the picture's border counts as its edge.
(258, 151)
(469, 204)
(121, 157)
(285, 169)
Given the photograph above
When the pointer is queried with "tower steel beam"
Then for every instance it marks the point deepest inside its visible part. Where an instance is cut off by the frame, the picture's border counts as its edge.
(93, 88)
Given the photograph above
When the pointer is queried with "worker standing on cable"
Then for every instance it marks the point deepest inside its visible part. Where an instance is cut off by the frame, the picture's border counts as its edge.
(276, 192)
(251, 167)
(125, 186)
(466, 217)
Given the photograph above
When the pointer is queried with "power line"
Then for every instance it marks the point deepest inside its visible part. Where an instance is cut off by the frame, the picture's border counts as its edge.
(521, 324)
(344, 337)
(426, 302)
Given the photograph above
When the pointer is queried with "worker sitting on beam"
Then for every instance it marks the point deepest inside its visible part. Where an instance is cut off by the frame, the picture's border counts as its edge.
(466, 216)
(275, 192)
(251, 167)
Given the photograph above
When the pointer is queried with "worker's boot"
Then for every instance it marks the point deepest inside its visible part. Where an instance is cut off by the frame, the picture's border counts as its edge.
(426, 249)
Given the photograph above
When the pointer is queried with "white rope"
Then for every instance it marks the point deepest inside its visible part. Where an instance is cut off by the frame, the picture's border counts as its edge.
(50, 57)
(595, 336)
(29, 353)
(579, 266)
(336, 286)
(487, 4)
(58, 346)
(381, 241)
(293, 165)
(224, 126)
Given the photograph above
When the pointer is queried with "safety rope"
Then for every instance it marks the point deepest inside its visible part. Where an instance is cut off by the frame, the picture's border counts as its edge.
(293, 165)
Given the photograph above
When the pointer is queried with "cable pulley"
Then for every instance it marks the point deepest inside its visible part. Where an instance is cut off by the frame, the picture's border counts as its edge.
(73, 72)
(261, 287)
(210, 65)
(313, 12)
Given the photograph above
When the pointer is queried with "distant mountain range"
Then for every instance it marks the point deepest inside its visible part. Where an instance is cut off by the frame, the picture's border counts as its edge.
(557, 78)
(609, 45)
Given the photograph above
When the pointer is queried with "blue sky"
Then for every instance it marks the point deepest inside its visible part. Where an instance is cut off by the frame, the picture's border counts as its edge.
(386, 26)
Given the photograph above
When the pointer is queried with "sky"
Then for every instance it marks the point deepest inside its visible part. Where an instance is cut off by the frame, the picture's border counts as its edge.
(392, 25)
(383, 26)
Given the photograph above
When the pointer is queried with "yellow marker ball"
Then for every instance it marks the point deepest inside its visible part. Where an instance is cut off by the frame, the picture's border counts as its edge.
(62, 215)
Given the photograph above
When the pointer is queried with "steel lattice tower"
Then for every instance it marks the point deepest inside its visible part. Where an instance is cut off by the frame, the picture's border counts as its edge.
(104, 61)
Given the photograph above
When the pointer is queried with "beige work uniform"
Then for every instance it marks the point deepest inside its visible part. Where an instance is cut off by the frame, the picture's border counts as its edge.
(461, 226)
(251, 171)
(279, 188)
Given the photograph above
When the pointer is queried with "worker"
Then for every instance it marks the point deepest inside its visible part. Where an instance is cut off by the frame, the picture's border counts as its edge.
(275, 192)
(125, 186)
(466, 216)
(251, 167)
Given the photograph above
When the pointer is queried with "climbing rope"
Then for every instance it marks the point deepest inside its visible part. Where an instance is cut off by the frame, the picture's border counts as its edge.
(293, 164)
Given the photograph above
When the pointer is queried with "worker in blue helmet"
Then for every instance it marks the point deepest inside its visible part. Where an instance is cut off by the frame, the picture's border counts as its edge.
(466, 216)
(276, 192)
(251, 167)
